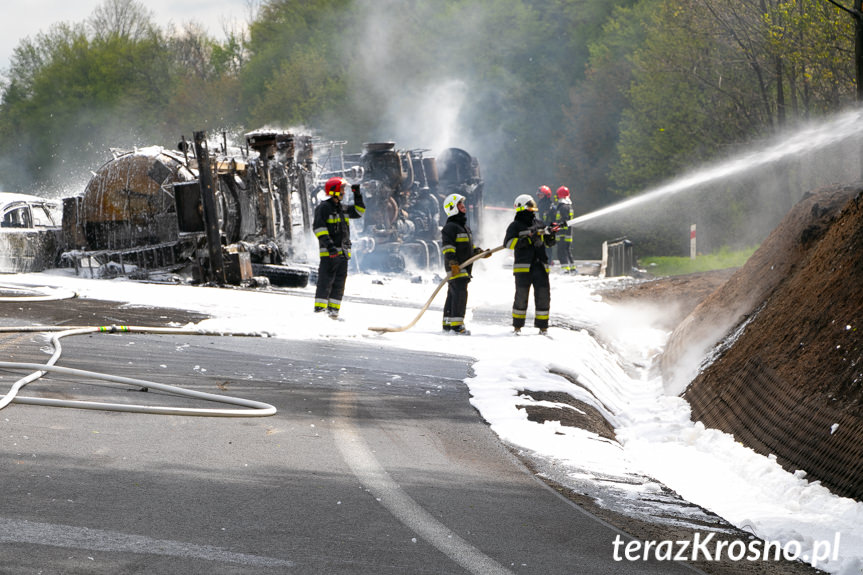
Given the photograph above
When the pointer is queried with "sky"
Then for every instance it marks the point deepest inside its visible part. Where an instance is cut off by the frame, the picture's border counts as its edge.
(23, 19)
(609, 353)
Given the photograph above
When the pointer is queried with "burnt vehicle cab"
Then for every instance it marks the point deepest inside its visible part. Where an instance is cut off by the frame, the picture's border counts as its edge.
(30, 230)
(404, 192)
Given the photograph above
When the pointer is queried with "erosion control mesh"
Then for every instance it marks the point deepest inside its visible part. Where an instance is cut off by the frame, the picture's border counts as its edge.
(769, 415)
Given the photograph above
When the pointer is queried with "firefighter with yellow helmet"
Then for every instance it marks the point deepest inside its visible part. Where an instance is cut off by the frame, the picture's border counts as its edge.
(456, 246)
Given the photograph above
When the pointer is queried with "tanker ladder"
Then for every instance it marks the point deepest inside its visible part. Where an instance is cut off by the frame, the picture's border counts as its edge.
(102, 263)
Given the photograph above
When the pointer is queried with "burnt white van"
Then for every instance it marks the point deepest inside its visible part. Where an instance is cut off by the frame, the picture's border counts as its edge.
(30, 233)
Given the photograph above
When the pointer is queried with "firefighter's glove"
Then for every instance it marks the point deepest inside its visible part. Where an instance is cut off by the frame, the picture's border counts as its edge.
(454, 270)
(555, 227)
(355, 188)
(333, 252)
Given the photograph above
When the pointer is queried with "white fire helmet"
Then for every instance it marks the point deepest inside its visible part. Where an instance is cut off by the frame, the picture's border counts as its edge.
(525, 202)
(450, 204)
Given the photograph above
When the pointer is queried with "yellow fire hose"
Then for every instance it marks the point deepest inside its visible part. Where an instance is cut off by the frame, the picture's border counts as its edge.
(463, 265)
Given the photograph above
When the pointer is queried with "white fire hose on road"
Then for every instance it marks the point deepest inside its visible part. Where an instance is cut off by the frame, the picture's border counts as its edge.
(42, 293)
(250, 408)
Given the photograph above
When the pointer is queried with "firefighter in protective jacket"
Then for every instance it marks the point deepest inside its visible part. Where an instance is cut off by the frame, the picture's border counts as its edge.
(544, 205)
(457, 247)
(563, 212)
(545, 208)
(332, 228)
(527, 236)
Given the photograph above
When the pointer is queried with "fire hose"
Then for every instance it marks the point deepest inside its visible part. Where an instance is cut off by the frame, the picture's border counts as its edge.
(463, 265)
(250, 408)
(43, 294)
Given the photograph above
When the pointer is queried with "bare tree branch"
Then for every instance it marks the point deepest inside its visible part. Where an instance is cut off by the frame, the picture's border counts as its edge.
(854, 13)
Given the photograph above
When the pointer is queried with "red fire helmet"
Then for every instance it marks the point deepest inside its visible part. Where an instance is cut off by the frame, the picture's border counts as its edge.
(335, 186)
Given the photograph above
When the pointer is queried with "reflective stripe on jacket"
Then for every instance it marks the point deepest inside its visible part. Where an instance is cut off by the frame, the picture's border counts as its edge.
(527, 244)
(563, 214)
(457, 244)
(332, 225)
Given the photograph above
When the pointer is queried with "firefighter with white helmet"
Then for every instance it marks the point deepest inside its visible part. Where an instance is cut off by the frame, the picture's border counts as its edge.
(331, 226)
(527, 236)
(456, 246)
(563, 212)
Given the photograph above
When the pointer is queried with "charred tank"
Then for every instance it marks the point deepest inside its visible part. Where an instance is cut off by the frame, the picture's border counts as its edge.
(128, 202)
(404, 192)
(145, 208)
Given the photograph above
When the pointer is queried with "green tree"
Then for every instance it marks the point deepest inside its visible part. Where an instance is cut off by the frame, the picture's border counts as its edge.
(116, 80)
(69, 93)
(205, 85)
(586, 145)
(717, 73)
(287, 40)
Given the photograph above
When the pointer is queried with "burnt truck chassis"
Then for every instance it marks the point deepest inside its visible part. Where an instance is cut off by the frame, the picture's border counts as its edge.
(249, 215)
(238, 220)
(404, 192)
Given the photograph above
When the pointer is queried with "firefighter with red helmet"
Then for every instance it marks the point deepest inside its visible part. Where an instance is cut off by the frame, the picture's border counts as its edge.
(563, 212)
(543, 203)
(456, 246)
(545, 208)
(528, 236)
(331, 226)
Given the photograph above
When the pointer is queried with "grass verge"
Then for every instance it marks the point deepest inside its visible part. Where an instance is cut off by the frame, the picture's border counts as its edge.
(675, 266)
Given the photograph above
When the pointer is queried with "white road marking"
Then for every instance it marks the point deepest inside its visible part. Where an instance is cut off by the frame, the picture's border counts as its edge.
(68, 536)
(373, 477)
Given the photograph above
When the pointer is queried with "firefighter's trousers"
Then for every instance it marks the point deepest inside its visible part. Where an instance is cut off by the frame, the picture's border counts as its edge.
(332, 274)
(455, 305)
(537, 278)
(565, 255)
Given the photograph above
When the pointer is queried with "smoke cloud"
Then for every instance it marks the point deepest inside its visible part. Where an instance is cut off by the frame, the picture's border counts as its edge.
(412, 75)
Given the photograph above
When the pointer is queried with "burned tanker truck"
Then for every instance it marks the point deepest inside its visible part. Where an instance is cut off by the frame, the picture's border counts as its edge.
(219, 214)
(210, 213)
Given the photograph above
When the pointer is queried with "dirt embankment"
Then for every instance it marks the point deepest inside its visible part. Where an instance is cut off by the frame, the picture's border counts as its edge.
(677, 296)
(789, 381)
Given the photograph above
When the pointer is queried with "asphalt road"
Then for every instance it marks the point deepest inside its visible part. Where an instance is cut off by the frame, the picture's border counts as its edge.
(374, 464)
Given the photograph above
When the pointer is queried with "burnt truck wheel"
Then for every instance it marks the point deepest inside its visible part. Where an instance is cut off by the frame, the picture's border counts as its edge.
(282, 276)
(395, 263)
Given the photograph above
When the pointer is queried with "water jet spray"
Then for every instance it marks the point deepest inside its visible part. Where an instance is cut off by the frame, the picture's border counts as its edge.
(808, 140)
